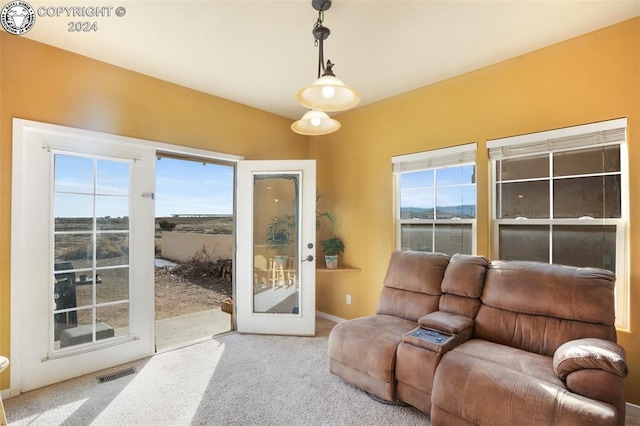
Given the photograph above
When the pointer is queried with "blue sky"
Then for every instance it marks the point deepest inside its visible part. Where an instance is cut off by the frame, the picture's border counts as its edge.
(450, 186)
(190, 187)
(186, 187)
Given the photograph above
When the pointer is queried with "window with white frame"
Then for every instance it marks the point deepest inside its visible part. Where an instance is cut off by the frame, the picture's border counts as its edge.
(437, 200)
(561, 196)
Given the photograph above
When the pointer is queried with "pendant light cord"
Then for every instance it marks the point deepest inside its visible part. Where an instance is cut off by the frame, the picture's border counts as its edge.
(319, 43)
(320, 60)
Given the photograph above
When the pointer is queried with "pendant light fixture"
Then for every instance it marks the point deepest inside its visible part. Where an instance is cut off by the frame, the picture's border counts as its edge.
(315, 123)
(327, 93)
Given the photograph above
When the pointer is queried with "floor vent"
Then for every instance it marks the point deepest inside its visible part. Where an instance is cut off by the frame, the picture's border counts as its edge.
(116, 375)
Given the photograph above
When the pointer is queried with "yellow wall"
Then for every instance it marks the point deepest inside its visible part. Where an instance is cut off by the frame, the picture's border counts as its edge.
(42, 83)
(591, 78)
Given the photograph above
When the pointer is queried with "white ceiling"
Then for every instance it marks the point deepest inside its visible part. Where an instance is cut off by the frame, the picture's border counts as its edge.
(260, 53)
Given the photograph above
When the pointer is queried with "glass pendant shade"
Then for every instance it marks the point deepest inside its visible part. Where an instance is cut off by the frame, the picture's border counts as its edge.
(328, 93)
(315, 123)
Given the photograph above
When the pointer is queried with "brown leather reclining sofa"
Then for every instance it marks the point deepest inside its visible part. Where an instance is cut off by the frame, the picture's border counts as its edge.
(474, 342)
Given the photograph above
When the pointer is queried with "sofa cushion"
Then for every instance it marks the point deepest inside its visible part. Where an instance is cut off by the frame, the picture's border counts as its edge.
(538, 307)
(465, 275)
(593, 354)
(462, 285)
(533, 333)
(369, 344)
(412, 284)
(482, 391)
(531, 364)
(564, 292)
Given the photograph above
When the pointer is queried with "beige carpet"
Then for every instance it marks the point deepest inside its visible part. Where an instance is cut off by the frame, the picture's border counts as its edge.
(230, 380)
(234, 379)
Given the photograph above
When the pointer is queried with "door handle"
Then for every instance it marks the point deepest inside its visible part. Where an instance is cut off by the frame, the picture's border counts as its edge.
(308, 259)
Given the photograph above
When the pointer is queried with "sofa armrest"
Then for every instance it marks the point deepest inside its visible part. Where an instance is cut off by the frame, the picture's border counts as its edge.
(445, 322)
(592, 354)
(452, 328)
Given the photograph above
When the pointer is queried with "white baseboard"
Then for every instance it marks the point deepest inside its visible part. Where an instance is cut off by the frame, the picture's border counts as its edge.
(633, 409)
(5, 394)
(329, 317)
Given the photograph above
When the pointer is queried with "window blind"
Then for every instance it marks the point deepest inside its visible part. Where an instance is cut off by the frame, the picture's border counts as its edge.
(436, 158)
(589, 135)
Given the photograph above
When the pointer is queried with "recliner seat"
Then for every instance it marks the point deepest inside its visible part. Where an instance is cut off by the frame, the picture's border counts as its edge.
(517, 342)
(363, 351)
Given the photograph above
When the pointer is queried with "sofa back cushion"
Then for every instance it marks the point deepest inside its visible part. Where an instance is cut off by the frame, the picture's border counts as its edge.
(462, 285)
(537, 306)
(412, 284)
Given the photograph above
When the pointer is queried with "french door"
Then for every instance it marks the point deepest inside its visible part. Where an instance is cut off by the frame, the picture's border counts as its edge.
(82, 264)
(275, 251)
(82, 252)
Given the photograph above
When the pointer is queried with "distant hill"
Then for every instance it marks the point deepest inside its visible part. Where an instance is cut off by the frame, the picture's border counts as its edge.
(219, 224)
(465, 211)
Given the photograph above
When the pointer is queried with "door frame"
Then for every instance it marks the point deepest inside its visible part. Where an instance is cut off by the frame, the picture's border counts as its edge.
(248, 321)
(19, 174)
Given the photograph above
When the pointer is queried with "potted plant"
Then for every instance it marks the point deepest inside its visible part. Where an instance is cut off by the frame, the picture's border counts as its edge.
(326, 214)
(332, 247)
(279, 236)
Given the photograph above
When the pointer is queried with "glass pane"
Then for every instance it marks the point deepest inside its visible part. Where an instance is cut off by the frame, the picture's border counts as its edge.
(112, 320)
(524, 243)
(417, 195)
(418, 237)
(275, 267)
(113, 178)
(64, 291)
(73, 328)
(73, 174)
(588, 161)
(74, 248)
(593, 246)
(112, 285)
(457, 175)
(524, 199)
(456, 202)
(63, 272)
(524, 168)
(469, 198)
(73, 212)
(77, 207)
(112, 213)
(84, 291)
(112, 249)
(452, 239)
(597, 197)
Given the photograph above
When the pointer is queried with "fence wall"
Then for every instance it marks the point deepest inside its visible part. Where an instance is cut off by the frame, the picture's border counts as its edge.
(182, 246)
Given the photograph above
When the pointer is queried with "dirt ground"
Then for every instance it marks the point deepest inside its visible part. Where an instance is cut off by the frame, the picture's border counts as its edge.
(198, 285)
(179, 295)
(189, 289)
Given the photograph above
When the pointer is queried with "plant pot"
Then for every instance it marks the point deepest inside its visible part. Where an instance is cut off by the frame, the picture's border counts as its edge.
(332, 261)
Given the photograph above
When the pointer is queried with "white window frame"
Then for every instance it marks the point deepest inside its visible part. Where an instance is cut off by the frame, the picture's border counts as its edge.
(605, 133)
(108, 352)
(459, 155)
